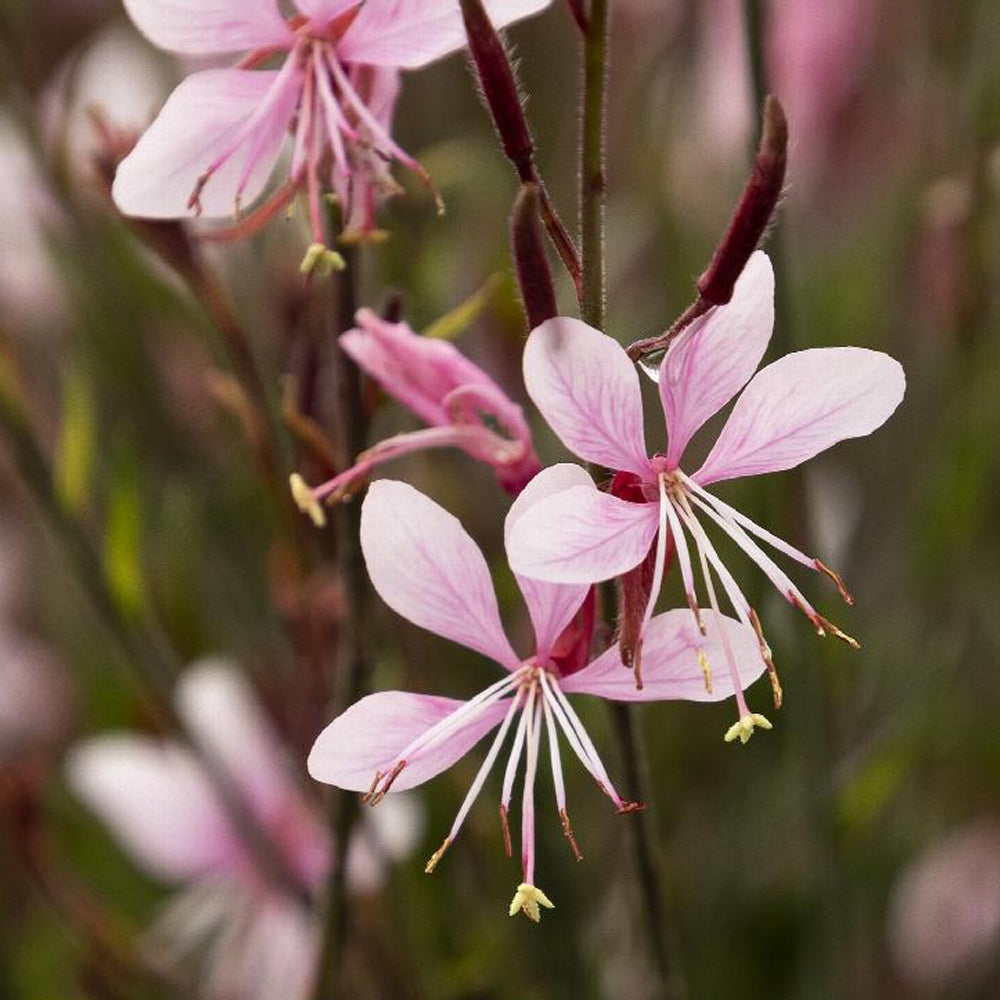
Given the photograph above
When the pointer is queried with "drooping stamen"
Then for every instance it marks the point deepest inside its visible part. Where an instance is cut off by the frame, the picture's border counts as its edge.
(534, 733)
(557, 777)
(762, 533)
(823, 625)
(583, 746)
(684, 561)
(714, 605)
(478, 781)
(515, 756)
(765, 652)
(337, 125)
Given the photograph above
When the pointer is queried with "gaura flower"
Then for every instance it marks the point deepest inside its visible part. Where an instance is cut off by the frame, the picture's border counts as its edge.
(427, 569)
(217, 140)
(465, 409)
(256, 940)
(588, 391)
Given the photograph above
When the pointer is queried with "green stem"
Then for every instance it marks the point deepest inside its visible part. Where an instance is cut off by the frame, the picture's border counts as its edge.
(351, 666)
(592, 232)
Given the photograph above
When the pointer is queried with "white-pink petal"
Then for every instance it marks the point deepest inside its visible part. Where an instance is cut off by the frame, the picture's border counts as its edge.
(203, 27)
(371, 734)
(157, 802)
(581, 535)
(426, 568)
(588, 391)
(204, 118)
(716, 356)
(411, 33)
(550, 605)
(670, 665)
(801, 405)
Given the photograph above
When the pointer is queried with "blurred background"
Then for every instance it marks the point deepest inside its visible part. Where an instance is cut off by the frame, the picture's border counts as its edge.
(852, 852)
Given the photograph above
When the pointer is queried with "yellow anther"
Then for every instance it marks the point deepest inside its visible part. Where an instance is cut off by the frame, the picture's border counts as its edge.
(306, 500)
(321, 260)
(528, 899)
(436, 857)
(706, 669)
(743, 729)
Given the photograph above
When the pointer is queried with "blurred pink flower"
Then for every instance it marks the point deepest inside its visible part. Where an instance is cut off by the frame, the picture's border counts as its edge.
(34, 696)
(258, 942)
(216, 142)
(465, 409)
(588, 390)
(944, 912)
(427, 569)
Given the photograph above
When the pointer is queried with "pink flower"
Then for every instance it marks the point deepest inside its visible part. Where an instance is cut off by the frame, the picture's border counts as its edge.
(465, 409)
(259, 941)
(588, 390)
(218, 138)
(427, 569)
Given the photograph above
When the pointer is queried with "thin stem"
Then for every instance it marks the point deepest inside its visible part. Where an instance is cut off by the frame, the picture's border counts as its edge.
(592, 219)
(592, 183)
(351, 665)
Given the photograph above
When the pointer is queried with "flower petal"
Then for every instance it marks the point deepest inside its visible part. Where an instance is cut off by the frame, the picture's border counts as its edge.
(716, 356)
(801, 405)
(203, 27)
(410, 33)
(581, 535)
(222, 713)
(588, 391)
(208, 115)
(550, 605)
(371, 734)
(671, 670)
(427, 569)
(156, 801)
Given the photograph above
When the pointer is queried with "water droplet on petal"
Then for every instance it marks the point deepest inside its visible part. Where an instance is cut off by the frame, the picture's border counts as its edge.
(649, 365)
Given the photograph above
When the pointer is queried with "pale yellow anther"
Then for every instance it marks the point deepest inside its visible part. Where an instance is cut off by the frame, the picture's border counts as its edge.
(306, 500)
(706, 669)
(528, 899)
(744, 729)
(321, 260)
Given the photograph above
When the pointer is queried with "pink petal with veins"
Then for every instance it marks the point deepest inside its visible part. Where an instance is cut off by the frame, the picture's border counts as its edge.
(550, 605)
(581, 535)
(204, 27)
(671, 670)
(239, 114)
(588, 391)
(426, 568)
(412, 33)
(801, 405)
(716, 356)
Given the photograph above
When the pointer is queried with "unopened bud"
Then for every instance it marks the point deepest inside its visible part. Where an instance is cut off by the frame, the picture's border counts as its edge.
(528, 249)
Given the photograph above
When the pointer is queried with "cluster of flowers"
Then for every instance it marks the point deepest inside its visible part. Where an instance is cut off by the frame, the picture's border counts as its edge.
(211, 151)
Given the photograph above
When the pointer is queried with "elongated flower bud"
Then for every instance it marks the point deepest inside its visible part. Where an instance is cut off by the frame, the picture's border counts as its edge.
(528, 251)
(754, 210)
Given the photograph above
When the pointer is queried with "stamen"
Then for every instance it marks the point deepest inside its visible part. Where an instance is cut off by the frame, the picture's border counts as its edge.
(515, 751)
(387, 783)
(837, 579)
(568, 834)
(505, 826)
(555, 759)
(765, 652)
(528, 796)
(306, 500)
(437, 856)
(337, 125)
(654, 591)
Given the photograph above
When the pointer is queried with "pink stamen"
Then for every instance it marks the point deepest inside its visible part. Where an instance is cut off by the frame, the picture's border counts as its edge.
(684, 560)
(534, 733)
(555, 759)
(336, 124)
(515, 752)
